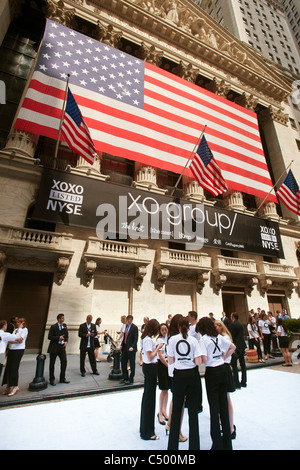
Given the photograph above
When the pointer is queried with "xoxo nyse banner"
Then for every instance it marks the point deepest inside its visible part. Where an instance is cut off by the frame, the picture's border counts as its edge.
(117, 212)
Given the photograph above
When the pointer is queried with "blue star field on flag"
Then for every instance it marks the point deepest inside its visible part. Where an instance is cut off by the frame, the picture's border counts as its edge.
(92, 65)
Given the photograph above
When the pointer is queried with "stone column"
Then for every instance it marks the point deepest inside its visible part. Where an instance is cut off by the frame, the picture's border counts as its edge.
(235, 201)
(145, 178)
(193, 191)
(85, 168)
(21, 143)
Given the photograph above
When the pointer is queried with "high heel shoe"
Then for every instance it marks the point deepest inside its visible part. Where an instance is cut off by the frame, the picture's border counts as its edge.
(13, 392)
(167, 428)
(233, 434)
(6, 391)
(182, 438)
(160, 422)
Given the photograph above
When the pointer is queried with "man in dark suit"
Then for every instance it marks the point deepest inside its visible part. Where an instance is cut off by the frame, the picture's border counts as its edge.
(58, 336)
(129, 349)
(237, 333)
(87, 332)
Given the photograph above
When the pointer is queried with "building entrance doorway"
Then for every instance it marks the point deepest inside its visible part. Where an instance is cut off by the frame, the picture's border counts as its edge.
(27, 294)
(235, 300)
(277, 302)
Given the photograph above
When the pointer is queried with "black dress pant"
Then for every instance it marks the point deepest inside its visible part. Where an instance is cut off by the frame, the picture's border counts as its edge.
(91, 354)
(11, 374)
(186, 387)
(125, 357)
(216, 389)
(147, 426)
(61, 353)
(255, 343)
(267, 344)
(239, 356)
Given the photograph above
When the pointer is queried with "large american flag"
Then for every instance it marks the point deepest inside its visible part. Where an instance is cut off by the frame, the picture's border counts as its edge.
(138, 111)
(206, 170)
(289, 193)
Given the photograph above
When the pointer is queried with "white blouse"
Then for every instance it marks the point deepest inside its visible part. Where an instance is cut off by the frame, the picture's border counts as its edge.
(163, 340)
(184, 351)
(148, 345)
(280, 330)
(264, 324)
(214, 347)
(23, 334)
(253, 329)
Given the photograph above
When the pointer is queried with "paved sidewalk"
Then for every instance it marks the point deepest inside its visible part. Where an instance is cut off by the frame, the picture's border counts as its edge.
(80, 386)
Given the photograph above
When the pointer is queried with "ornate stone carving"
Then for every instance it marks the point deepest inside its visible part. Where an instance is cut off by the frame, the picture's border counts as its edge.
(140, 273)
(57, 11)
(193, 191)
(145, 178)
(107, 34)
(62, 268)
(186, 71)
(89, 272)
(162, 276)
(220, 280)
(201, 30)
(202, 278)
(265, 284)
(270, 212)
(149, 54)
(272, 114)
(248, 101)
(21, 143)
(219, 87)
(250, 285)
(233, 49)
(235, 201)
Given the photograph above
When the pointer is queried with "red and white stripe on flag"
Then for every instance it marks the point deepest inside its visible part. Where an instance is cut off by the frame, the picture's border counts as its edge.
(289, 193)
(138, 111)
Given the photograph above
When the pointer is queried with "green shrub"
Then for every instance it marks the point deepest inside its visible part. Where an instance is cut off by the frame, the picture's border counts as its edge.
(292, 324)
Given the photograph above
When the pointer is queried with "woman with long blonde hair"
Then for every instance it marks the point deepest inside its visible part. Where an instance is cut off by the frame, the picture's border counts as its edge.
(223, 331)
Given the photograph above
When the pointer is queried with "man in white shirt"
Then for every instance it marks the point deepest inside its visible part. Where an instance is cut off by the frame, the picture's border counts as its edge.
(192, 318)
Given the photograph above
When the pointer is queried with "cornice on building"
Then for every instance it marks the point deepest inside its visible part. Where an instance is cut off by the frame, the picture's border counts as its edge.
(186, 34)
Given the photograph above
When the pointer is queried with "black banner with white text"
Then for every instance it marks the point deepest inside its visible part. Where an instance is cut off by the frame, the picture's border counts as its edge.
(117, 212)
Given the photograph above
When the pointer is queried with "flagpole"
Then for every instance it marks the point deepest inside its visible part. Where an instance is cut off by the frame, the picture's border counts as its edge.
(198, 142)
(285, 171)
(61, 121)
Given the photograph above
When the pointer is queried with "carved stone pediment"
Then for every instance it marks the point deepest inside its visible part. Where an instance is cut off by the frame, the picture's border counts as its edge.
(182, 24)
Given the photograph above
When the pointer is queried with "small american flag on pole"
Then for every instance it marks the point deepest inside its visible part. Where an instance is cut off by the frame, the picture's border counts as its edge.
(206, 170)
(75, 132)
(289, 193)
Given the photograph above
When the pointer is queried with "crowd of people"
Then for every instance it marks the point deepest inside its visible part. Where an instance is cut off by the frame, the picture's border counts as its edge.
(171, 354)
(261, 326)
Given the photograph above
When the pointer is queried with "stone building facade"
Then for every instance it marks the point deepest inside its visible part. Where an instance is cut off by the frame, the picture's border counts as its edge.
(49, 268)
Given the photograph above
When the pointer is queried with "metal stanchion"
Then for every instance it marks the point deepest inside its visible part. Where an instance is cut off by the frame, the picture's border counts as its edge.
(39, 383)
(275, 349)
(116, 373)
